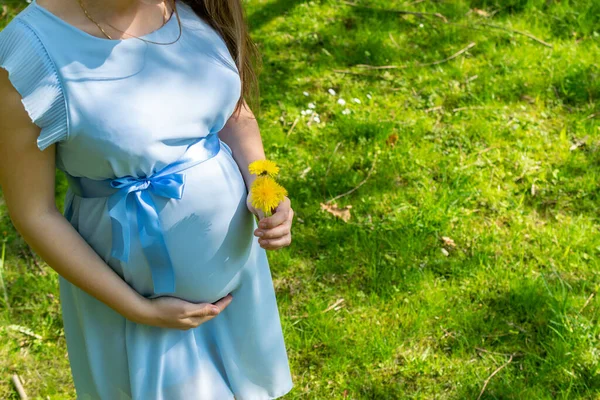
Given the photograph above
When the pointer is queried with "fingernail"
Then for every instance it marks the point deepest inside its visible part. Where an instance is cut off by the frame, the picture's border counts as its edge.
(259, 233)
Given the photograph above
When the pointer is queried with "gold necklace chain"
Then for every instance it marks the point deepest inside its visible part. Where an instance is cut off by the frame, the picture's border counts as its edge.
(145, 40)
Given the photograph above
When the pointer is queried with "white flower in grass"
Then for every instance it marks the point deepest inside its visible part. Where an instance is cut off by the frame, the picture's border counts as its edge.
(305, 93)
(346, 111)
(311, 105)
(303, 112)
(357, 101)
(308, 112)
(341, 102)
(315, 118)
(369, 96)
(331, 92)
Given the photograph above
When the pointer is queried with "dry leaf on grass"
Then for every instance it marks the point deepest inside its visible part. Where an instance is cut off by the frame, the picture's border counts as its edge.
(578, 143)
(481, 13)
(392, 139)
(448, 242)
(343, 213)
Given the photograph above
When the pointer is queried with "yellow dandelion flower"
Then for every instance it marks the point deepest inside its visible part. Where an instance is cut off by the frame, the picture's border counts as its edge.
(266, 194)
(260, 167)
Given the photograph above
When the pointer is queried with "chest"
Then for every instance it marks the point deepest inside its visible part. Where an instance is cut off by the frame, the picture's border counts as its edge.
(133, 106)
(143, 93)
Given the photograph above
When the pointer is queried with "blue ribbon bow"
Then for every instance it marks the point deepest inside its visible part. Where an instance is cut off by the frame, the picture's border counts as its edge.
(149, 227)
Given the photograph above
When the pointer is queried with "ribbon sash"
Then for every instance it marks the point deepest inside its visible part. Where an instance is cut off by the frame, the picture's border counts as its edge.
(130, 197)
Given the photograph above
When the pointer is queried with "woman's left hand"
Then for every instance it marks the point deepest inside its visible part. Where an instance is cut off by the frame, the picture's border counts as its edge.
(274, 232)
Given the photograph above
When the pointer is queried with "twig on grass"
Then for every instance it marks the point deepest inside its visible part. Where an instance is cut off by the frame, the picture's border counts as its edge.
(452, 57)
(19, 387)
(337, 146)
(34, 260)
(447, 334)
(587, 302)
(520, 328)
(324, 185)
(357, 186)
(293, 126)
(592, 116)
(343, 71)
(387, 67)
(395, 11)
(471, 108)
(482, 350)
(334, 305)
(432, 109)
(394, 40)
(367, 66)
(527, 34)
(487, 149)
(485, 383)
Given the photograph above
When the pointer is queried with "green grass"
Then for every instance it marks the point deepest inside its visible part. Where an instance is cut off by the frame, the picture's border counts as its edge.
(497, 149)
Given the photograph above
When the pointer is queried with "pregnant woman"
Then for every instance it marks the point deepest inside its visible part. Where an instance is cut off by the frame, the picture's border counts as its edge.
(165, 286)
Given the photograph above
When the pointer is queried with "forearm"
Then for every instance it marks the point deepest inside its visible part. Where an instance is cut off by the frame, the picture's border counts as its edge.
(54, 239)
(242, 134)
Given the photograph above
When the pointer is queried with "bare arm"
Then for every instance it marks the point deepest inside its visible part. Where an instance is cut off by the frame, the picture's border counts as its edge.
(27, 176)
(242, 134)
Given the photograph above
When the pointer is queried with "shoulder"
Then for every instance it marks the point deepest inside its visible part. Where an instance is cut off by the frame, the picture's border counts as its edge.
(205, 34)
(32, 73)
(15, 123)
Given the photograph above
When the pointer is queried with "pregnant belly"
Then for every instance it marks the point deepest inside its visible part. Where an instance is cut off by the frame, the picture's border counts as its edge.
(208, 233)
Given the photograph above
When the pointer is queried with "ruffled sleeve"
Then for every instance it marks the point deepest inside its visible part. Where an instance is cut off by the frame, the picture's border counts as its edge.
(33, 74)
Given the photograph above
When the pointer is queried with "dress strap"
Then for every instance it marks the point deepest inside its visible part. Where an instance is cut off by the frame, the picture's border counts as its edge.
(34, 75)
(169, 183)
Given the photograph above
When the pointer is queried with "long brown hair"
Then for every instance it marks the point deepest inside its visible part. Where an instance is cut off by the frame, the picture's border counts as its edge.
(228, 19)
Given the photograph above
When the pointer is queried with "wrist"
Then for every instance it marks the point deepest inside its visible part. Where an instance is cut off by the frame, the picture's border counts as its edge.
(140, 310)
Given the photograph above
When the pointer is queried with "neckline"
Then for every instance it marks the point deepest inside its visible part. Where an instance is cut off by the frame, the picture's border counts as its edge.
(61, 21)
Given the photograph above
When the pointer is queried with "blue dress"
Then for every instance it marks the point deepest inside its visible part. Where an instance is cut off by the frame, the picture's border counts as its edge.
(160, 198)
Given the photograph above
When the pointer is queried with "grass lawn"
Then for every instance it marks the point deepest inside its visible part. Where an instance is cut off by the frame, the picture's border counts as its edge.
(469, 169)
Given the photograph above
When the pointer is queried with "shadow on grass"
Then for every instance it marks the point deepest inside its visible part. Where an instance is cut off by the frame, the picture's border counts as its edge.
(534, 321)
(271, 10)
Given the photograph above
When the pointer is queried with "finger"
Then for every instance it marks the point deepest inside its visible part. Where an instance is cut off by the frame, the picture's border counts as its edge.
(204, 310)
(280, 216)
(274, 244)
(255, 211)
(223, 302)
(259, 213)
(274, 233)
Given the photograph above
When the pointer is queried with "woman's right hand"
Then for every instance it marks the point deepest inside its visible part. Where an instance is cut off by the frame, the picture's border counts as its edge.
(175, 313)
